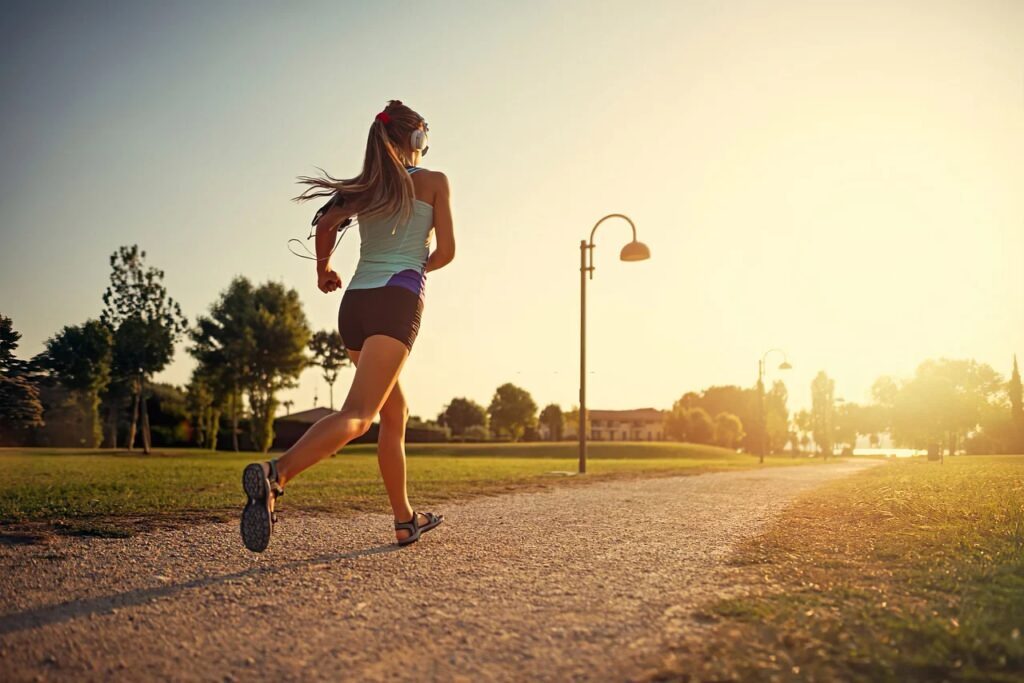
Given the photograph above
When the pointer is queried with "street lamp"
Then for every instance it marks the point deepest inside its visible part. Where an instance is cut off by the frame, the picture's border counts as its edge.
(763, 445)
(634, 251)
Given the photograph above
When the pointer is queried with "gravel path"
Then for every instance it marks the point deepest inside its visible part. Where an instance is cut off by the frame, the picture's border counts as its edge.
(576, 583)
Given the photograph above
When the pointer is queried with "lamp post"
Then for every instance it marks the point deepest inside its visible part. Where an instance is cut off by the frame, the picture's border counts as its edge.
(634, 251)
(763, 418)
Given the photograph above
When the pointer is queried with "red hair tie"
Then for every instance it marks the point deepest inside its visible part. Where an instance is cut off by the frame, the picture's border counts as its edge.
(384, 118)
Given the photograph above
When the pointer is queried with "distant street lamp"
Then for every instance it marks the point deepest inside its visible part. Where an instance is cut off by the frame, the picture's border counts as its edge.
(763, 445)
(634, 251)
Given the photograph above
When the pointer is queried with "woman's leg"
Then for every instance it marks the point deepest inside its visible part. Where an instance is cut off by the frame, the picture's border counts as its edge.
(394, 416)
(381, 360)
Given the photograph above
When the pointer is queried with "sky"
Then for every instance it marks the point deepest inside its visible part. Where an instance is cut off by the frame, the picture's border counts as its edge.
(840, 180)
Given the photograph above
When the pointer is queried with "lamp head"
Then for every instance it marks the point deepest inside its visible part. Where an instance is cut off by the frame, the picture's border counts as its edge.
(785, 366)
(635, 251)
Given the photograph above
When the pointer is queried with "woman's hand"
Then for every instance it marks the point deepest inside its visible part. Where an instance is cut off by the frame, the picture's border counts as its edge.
(328, 280)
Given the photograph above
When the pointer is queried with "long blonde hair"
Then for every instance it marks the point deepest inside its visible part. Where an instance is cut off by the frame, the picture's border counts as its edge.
(384, 188)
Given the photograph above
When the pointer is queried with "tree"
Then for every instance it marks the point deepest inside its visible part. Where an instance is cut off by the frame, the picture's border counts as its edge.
(20, 407)
(9, 337)
(699, 426)
(552, 418)
(689, 422)
(137, 301)
(461, 414)
(777, 416)
(281, 334)
(822, 407)
(1016, 410)
(512, 410)
(199, 403)
(224, 345)
(79, 357)
(477, 432)
(848, 418)
(329, 354)
(743, 403)
(944, 402)
(804, 427)
(728, 430)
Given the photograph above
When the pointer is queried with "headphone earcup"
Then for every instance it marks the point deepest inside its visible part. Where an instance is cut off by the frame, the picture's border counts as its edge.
(418, 139)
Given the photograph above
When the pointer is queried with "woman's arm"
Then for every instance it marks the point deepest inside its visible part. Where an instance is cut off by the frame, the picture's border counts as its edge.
(443, 230)
(326, 235)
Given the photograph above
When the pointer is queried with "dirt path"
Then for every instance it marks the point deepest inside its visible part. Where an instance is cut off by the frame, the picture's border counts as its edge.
(580, 583)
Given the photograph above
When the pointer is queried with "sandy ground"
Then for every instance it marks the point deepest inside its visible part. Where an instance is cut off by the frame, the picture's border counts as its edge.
(580, 583)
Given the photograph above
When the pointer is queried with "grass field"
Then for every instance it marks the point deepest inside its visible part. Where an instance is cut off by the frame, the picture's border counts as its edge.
(113, 493)
(912, 571)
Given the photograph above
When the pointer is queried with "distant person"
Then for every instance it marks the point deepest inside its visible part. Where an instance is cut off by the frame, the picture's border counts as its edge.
(398, 205)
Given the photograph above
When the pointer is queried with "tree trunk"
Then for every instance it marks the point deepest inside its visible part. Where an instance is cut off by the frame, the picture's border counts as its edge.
(147, 439)
(136, 396)
(92, 407)
(113, 413)
(331, 391)
(234, 421)
(212, 429)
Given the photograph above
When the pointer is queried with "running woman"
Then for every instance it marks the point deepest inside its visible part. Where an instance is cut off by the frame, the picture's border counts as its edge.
(399, 205)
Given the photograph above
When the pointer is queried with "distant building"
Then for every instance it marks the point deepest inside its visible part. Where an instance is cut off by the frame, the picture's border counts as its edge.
(290, 428)
(639, 424)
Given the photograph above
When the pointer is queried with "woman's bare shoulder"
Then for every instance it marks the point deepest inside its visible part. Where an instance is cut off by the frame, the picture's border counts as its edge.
(437, 180)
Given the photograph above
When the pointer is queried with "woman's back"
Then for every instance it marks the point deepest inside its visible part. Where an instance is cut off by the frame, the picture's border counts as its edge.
(394, 254)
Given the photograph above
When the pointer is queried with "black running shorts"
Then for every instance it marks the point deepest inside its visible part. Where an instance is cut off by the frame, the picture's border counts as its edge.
(392, 310)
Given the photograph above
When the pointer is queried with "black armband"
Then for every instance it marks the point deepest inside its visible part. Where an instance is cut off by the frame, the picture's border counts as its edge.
(336, 200)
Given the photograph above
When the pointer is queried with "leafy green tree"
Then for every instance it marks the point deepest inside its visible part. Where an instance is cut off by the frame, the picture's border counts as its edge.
(79, 357)
(738, 401)
(146, 323)
(224, 344)
(199, 403)
(461, 414)
(728, 430)
(822, 410)
(699, 426)
(20, 407)
(552, 417)
(512, 410)
(478, 432)
(329, 354)
(689, 422)
(9, 337)
(281, 334)
(942, 403)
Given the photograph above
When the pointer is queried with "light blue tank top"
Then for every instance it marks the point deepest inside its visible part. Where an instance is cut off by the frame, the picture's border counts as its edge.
(392, 253)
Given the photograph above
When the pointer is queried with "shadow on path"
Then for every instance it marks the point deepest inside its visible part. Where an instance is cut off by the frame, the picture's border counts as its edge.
(75, 609)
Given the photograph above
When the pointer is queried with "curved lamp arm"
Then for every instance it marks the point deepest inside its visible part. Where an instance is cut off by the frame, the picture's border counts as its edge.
(612, 215)
(590, 244)
(785, 358)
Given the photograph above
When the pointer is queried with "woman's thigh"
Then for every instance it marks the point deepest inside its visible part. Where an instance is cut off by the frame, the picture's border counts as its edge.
(379, 363)
(395, 406)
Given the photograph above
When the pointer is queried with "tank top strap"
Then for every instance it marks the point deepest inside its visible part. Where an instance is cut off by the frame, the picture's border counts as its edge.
(412, 169)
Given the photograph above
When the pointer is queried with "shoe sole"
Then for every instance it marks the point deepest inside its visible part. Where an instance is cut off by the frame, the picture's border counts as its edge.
(256, 522)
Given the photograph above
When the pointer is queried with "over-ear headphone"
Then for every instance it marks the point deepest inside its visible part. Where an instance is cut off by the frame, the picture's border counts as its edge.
(418, 139)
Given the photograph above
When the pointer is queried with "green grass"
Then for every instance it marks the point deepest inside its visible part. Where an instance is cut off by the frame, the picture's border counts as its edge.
(98, 491)
(912, 571)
